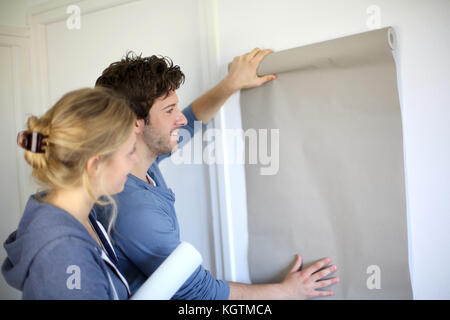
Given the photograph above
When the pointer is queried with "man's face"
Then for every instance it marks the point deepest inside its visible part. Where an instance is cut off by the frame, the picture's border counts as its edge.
(161, 133)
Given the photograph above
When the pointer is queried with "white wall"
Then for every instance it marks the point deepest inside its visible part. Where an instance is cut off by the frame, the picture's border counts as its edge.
(13, 13)
(423, 48)
(66, 59)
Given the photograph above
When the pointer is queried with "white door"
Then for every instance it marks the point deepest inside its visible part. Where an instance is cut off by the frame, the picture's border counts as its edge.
(14, 187)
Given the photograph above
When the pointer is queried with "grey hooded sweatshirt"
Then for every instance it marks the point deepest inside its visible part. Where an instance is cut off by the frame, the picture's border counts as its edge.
(52, 256)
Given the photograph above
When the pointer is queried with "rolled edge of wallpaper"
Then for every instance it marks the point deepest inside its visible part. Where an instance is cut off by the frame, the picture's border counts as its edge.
(363, 48)
(171, 274)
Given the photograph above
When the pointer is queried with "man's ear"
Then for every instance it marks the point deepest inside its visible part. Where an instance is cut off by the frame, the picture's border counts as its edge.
(93, 166)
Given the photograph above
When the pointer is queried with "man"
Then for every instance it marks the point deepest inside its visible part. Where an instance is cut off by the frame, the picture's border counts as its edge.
(146, 230)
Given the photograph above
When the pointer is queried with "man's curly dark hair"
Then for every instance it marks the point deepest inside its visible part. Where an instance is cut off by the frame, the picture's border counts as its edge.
(142, 80)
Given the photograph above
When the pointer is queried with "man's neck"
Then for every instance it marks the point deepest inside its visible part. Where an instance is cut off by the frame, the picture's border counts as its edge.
(146, 159)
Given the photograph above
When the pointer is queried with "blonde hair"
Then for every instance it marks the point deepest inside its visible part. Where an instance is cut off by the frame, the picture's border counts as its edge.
(82, 124)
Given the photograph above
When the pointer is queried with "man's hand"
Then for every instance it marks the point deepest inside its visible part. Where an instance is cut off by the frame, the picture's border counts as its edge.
(297, 284)
(303, 284)
(242, 73)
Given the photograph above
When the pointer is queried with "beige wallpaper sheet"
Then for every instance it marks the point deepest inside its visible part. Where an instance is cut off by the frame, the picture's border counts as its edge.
(339, 191)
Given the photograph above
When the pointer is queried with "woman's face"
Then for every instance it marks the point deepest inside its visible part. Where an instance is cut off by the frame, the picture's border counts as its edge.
(118, 167)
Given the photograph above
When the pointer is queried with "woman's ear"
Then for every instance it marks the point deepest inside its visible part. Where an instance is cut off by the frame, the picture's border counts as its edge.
(93, 166)
(140, 124)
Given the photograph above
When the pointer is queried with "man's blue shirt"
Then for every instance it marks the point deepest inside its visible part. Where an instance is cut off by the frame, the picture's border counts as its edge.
(146, 232)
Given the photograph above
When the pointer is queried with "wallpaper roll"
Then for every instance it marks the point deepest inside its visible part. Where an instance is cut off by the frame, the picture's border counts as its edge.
(338, 190)
(171, 274)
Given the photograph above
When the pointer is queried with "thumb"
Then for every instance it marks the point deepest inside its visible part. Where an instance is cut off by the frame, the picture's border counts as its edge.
(266, 78)
(297, 263)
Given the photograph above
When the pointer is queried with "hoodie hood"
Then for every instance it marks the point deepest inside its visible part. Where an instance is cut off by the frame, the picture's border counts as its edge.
(41, 224)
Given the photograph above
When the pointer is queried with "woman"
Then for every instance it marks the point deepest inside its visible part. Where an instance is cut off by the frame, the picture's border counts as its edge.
(81, 151)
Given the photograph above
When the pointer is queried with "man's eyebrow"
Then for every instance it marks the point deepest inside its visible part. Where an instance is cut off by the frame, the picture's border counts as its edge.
(169, 106)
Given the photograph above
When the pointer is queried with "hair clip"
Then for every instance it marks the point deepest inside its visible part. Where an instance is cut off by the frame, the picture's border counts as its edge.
(31, 141)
